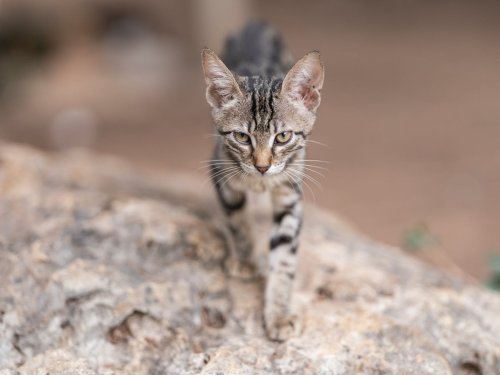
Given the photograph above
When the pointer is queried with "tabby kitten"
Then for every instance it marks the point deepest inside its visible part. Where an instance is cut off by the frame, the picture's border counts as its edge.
(263, 108)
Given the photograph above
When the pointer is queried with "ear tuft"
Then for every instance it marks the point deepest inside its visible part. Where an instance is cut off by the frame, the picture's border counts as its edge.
(304, 81)
(222, 87)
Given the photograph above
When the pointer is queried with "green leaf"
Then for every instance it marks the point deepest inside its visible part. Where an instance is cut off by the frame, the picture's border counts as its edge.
(494, 263)
(494, 283)
(418, 238)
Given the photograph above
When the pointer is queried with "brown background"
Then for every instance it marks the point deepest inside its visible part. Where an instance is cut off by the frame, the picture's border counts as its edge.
(409, 119)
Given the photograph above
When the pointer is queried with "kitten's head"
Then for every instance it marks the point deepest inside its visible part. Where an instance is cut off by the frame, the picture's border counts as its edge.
(264, 122)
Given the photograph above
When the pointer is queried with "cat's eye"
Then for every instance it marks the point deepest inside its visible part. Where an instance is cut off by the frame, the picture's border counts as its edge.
(242, 137)
(283, 137)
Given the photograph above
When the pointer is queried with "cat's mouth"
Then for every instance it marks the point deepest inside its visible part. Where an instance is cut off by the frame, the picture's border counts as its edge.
(256, 171)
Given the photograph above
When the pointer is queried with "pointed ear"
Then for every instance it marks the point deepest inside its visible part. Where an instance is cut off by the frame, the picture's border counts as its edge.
(304, 81)
(222, 87)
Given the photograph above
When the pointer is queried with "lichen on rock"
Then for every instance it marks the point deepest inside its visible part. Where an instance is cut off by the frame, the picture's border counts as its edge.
(107, 270)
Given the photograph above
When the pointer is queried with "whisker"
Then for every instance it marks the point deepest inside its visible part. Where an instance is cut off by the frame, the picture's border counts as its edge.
(305, 177)
(227, 175)
(293, 179)
(223, 165)
(287, 177)
(308, 166)
(217, 161)
(219, 173)
(315, 160)
(316, 142)
(310, 178)
(311, 190)
(224, 170)
(222, 178)
(234, 174)
(209, 166)
(299, 178)
(223, 160)
(313, 180)
(312, 170)
(217, 165)
(245, 178)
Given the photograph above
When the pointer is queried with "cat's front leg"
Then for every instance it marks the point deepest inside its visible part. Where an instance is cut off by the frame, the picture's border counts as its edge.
(239, 263)
(279, 322)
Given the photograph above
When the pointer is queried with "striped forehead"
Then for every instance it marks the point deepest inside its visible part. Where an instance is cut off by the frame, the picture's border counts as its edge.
(262, 92)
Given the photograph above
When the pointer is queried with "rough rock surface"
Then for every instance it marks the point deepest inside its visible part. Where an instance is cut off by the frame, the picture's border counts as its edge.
(104, 270)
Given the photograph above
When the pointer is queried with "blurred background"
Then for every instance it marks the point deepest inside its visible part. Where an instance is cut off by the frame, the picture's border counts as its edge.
(409, 119)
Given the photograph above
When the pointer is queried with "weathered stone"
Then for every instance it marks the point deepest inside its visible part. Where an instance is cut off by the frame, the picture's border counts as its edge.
(107, 270)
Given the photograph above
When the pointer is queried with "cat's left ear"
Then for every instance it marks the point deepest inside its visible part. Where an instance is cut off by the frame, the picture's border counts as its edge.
(222, 87)
(304, 81)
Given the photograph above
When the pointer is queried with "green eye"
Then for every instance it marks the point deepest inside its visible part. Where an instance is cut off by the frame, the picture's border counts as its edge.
(283, 137)
(242, 137)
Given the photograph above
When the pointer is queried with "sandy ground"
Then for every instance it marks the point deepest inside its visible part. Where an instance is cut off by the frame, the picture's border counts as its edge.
(409, 118)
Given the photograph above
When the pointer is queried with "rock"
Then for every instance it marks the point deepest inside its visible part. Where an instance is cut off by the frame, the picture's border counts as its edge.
(106, 270)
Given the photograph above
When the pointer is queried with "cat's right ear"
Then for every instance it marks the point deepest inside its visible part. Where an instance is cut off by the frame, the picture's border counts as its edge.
(303, 83)
(222, 87)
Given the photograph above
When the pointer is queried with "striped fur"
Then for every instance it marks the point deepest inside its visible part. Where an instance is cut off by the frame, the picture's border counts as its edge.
(264, 109)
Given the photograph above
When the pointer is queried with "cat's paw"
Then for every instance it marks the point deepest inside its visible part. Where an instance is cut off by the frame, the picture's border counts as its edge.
(242, 270)
(281, 328)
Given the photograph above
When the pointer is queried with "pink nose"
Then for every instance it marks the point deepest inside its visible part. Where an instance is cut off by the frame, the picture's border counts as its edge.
(262, 169)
